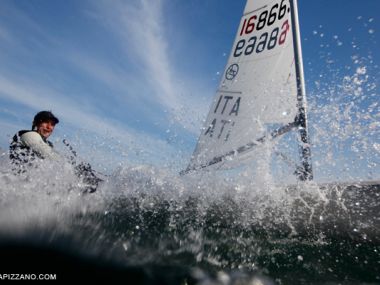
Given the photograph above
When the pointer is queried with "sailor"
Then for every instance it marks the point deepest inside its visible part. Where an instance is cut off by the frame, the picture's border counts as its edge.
(29, 145)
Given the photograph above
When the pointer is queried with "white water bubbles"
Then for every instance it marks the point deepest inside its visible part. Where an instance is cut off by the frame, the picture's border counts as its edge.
(206, 212)
(45, 195)
(343, 107)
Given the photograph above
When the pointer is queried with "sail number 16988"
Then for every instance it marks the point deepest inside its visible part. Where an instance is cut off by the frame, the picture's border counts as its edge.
(267, 40)
(250, 24)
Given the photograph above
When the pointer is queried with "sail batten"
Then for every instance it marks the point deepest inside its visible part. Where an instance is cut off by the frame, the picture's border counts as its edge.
(258, 87)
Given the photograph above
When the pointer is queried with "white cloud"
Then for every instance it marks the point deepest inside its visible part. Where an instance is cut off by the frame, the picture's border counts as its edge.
(139, 69)
(38, 98)
(140, 27)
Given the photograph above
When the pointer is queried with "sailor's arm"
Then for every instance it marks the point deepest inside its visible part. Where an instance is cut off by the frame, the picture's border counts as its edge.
(35, 142)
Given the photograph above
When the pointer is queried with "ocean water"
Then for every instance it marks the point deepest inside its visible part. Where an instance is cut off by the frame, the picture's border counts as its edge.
(146, 225)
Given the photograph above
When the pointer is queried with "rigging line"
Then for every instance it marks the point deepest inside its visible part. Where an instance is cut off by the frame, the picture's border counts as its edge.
(74, 156)
(217, 159)
(73, 152)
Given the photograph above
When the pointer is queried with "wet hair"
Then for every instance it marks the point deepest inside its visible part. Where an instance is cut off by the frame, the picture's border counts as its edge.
(44, 116)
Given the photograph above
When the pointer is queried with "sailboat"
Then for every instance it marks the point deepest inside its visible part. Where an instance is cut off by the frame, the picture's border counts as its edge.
(263, 84)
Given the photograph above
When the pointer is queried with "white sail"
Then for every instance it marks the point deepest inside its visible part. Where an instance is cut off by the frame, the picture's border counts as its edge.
(258, 87)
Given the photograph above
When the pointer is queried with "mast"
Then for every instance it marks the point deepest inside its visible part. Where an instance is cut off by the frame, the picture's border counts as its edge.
(254, 64)
(306, 171)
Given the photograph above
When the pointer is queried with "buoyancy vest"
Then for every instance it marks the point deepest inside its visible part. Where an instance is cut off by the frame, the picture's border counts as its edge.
(20, 153)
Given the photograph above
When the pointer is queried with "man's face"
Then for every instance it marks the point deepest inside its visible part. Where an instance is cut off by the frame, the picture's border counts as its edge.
(45, 129)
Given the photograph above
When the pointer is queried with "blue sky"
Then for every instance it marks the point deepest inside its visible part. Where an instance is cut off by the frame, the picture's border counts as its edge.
(132, 81)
